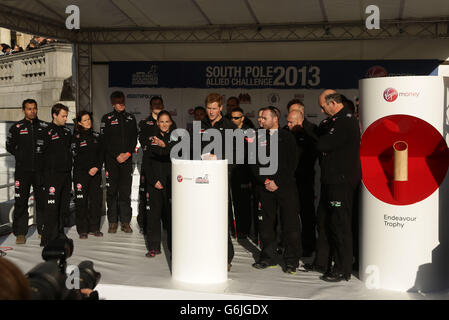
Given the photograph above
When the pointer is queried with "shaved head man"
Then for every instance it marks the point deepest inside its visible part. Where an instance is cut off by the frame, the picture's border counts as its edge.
(305, 174)
(295, 118)
(338, 144)
(322, 100)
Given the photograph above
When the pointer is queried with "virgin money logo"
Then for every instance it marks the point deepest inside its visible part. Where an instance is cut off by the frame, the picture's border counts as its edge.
(390, 94)
(376, 72)
(179, 178)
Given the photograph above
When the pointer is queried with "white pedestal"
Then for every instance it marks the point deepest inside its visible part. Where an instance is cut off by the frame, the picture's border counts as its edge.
(199, 221)
(397, 240)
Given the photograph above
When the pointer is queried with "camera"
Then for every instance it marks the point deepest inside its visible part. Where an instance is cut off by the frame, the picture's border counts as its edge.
(48, 280)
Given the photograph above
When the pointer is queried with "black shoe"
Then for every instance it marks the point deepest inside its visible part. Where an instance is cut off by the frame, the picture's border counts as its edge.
(313, 268)
(290, 269)
(264, 265)
(335, 277)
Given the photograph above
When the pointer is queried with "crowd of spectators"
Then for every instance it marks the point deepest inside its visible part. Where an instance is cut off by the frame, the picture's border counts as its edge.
(35, 43)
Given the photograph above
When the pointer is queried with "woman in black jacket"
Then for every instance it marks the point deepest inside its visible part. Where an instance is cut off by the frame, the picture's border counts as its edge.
(88, 161)
(158, 174)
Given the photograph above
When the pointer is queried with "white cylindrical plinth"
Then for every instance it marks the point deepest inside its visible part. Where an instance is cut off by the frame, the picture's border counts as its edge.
(199, 221)
(399, 234)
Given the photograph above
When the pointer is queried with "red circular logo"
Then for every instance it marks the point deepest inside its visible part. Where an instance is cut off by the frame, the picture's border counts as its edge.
(179, 178)
(107, 174)
(52, 190)
(17, 184)
(79, 186)
(390, 94)
(376, 72)
(424, 163)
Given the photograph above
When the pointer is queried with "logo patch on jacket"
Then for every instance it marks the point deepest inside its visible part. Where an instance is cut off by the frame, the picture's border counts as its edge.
(114, 122)
(83, 143)
(55, 136)
(24, 131)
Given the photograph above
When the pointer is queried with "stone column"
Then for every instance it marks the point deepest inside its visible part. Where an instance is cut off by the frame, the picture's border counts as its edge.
(5, 36)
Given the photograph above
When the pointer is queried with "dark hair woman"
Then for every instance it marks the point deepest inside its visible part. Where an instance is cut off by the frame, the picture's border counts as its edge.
(158, 177)
(88, 160)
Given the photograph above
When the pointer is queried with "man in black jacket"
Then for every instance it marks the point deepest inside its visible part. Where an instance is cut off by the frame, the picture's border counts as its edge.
(25, 142)
(305, 178)
(119, 137)
(338, 141)
(241, 184)
(146, 129)
(278, 190)
(233, 103)
(215, 120)
(57, 174)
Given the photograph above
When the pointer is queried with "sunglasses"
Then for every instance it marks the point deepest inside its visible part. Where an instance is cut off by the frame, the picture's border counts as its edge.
(236, 118)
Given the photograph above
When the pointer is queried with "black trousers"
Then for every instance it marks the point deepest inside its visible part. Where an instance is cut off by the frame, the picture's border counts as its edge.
(118, 195)
(24, 180)
(88, 196)
(307, 212)
(142, 197)
(355, 224)
(287, 200)
(58, 186)
(241, 199)
(334, 241)
(157, 206)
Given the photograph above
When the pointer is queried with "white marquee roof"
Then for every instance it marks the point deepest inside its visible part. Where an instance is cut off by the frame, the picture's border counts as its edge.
(198, 13)
(102, 20)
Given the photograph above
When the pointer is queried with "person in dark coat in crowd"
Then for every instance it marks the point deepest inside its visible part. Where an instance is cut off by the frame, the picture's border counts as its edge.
(25, 142)
(57, 174)
(338, 141)
(305, 179)
(158, 177)
(118, 134)
(146, 128)
(87, 163)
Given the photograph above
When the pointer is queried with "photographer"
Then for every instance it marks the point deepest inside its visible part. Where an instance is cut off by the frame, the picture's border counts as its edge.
(49, 280)
(13, 284)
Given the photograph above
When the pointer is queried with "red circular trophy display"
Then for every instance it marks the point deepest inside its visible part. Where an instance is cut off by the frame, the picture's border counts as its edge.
(404, 159)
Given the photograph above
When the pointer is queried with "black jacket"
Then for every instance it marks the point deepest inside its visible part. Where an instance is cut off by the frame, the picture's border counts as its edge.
(222, 124)
(118, 133)
(87, 150)
(157, 159)
(338, 142)
(307, 152)
(57, 153)
(147, 128)
(25, 141)
(287, 158)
